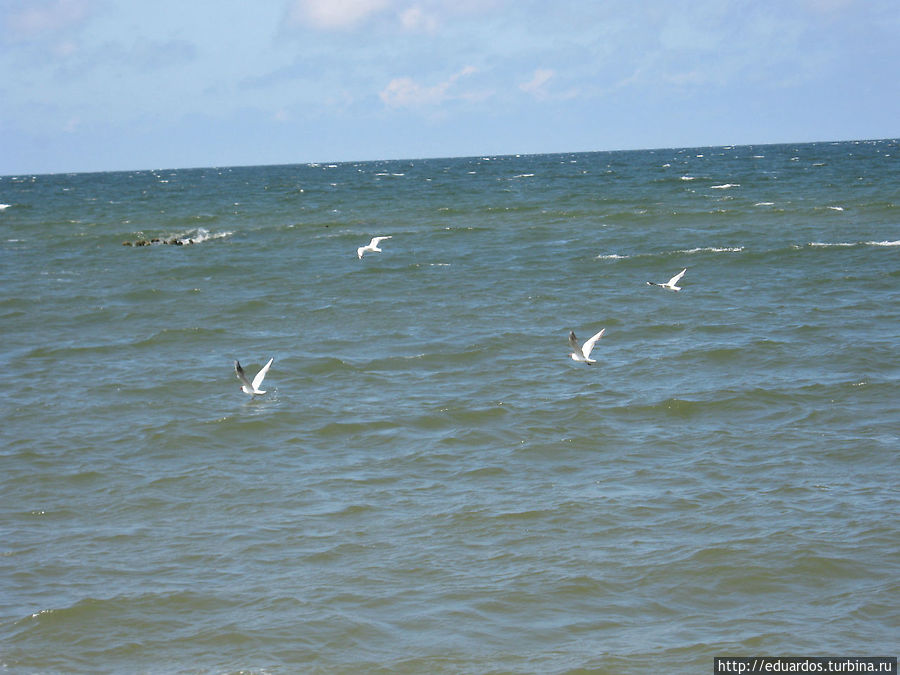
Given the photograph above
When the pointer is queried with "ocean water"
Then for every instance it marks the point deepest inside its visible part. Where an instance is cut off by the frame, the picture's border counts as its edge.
(430, 483)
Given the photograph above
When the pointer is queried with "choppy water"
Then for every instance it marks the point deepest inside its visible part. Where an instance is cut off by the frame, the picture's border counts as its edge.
(430, 484)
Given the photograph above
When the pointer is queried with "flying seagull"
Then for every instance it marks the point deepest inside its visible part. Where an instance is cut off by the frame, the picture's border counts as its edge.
(670, 284)
(248, 387)
(372, 246)
(583, 353)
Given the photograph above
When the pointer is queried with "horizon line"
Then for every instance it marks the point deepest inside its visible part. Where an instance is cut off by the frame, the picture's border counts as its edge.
(446, 157)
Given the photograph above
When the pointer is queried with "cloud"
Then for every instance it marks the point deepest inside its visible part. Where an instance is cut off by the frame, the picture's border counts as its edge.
(405, 92)
(38, 20)
(536, 85)
(415, 19)
(417, 16)
(334, 14)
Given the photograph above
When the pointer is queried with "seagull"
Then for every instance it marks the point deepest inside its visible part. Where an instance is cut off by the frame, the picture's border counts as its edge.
(372, 246)
(583, 353)
(248, 387)
(670, 284)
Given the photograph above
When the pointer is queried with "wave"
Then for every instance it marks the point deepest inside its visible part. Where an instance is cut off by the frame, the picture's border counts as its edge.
(199, 235)
(850, 244)
(681, 251)
(194, 236)
(742, 249)
(713, 249)
(724, 186)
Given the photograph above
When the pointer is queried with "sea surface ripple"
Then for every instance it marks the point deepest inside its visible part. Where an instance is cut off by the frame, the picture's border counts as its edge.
(430, 484)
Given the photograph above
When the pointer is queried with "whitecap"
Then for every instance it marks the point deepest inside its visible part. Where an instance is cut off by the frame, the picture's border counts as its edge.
(713, 249)
(884, 243)
(611, 256)
(3, 207)
(724, 186)
(836, 208)
(524, 175)
(200, 235)
(764, 204)
(687, 178)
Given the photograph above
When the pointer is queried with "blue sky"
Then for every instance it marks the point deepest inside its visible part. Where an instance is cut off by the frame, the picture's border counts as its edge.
(93, 85)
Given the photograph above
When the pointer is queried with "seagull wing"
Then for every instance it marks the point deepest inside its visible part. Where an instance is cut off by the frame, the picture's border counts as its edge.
(260, 376)
(376, 240)
(240, 375)
(674, 280)
(589, 344)
(573, 342)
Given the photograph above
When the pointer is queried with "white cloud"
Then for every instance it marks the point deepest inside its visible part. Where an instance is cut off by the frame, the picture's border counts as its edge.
(536, 85)
(39, 19)
(421, 16)
(405, 92)
(415, 19)
(334, 14)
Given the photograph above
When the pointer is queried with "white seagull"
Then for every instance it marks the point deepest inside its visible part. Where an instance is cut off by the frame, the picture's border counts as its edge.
(583, 353)
(670, 284)
(372, 246)
(248, 387)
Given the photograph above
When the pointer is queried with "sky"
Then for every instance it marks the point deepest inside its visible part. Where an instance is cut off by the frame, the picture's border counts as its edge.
(102, 85)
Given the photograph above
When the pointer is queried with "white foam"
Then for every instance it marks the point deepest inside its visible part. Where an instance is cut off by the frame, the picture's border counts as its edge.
(611, 256)
(713, 249)
(687, 178)
(724, 186)
(836, 208)
(764, 204)
(200, 235)
(884, 243)
(3, 207)
(524, 175)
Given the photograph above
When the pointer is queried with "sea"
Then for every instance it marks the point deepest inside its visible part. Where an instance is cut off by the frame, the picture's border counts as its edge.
(430, 484)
